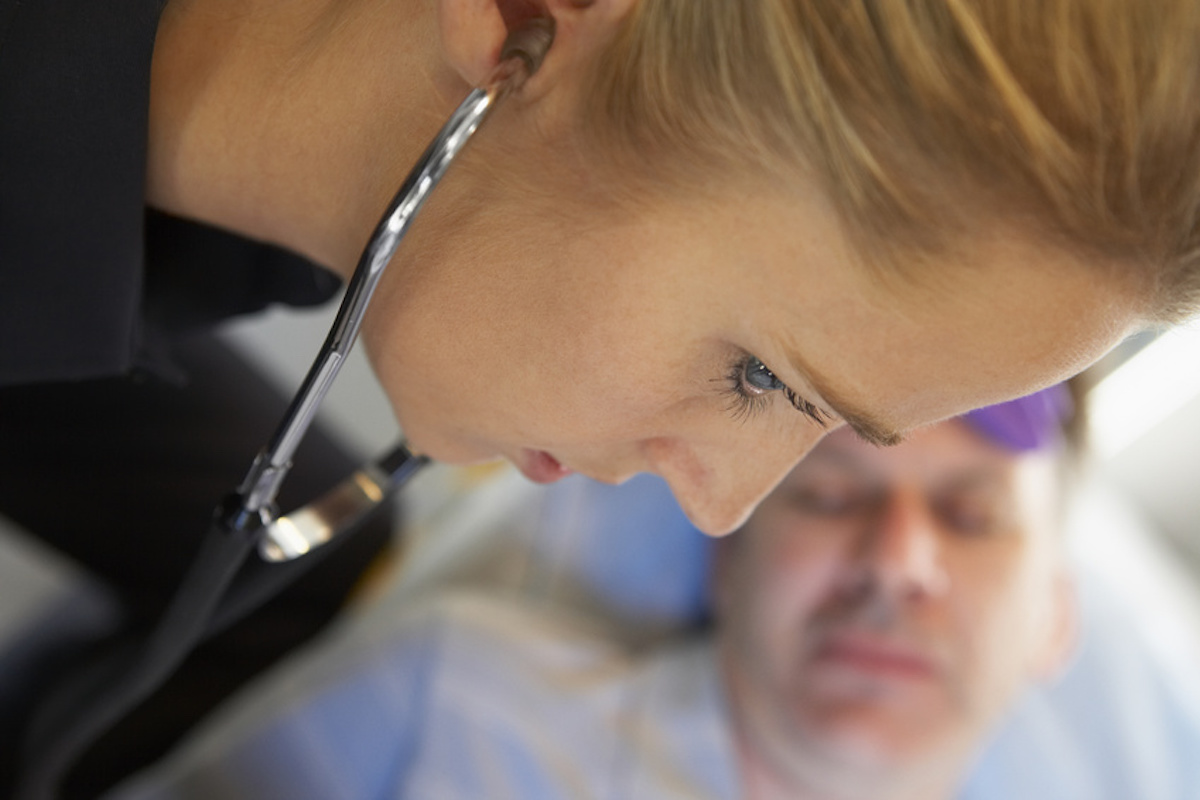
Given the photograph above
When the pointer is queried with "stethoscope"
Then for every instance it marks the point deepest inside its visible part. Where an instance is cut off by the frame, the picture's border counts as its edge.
(208, 598)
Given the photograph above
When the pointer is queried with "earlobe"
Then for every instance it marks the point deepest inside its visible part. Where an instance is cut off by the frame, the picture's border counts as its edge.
(473, 31)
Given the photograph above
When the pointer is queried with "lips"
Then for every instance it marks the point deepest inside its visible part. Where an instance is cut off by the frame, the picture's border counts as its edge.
(877, 657)
(540, 467)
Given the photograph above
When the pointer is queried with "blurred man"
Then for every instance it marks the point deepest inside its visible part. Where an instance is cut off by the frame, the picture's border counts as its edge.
(883, 608)
(873, 621)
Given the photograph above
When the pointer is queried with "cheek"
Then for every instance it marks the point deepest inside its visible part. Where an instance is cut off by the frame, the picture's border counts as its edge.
(509, 376)
(789, 581)
(997, 608)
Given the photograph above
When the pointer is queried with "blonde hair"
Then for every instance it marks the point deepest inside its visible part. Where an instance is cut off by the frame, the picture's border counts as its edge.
(1080, 118)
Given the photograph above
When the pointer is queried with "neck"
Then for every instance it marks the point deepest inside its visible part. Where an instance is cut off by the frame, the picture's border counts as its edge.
(762, 780)
(293, 121)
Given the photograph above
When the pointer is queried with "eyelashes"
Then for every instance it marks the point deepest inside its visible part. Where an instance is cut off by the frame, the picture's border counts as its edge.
(749, 385)
(743, 403)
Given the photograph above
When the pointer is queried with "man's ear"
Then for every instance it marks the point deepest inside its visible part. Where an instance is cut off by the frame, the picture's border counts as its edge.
(473, 31)
(1062, 634)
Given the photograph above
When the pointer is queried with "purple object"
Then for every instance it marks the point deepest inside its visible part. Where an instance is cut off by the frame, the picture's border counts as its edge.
(1028, 423)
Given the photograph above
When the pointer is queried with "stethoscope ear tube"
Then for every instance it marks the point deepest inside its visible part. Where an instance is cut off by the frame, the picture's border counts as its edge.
(215, 593)
(96, 698)
(211, 596)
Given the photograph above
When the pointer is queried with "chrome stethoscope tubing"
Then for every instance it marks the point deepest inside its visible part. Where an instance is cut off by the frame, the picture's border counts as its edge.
(99, 694)
(295, 534)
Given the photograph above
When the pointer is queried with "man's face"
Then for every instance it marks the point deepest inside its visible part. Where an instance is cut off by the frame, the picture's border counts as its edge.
(884, 605)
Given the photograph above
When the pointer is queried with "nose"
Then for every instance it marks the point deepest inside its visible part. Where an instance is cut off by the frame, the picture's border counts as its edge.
(901, 547)
(718, 487)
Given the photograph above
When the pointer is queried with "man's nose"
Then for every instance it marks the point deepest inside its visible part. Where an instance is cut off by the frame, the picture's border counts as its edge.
(902, 547)
(718, 487)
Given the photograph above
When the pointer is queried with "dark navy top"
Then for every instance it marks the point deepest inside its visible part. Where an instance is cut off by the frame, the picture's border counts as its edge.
(92, 283)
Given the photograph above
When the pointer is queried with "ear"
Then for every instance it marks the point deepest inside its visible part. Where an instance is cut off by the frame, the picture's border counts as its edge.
(1062, 633)
(473, 31)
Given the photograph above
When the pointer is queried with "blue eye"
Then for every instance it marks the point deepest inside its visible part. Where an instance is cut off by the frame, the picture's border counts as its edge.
(757, 377)
(750, 382)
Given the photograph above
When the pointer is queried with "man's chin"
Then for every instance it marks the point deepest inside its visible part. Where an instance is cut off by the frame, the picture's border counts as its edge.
(874, 739)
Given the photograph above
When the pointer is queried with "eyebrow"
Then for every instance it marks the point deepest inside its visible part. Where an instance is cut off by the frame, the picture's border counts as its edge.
(866, 427)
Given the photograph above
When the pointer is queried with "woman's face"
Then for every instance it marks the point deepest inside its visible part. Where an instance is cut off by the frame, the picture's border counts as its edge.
(712, 339)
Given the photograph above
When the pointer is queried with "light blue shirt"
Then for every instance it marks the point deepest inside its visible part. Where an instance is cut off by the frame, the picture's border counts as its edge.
(473, 697)
(505, 692)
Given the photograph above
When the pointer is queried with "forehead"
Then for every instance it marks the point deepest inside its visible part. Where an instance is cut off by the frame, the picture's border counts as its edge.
(996, 315)
(993, 316)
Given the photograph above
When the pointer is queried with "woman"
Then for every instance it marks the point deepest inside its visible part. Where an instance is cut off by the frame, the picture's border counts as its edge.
(699, 214)
(700, 218)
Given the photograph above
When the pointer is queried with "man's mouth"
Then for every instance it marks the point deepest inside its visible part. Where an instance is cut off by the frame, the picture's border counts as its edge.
(539, 466)
(875, 656)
